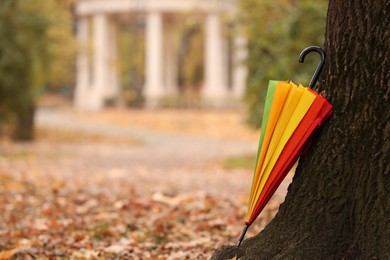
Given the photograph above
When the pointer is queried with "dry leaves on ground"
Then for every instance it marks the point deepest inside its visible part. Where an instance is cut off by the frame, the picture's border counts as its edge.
(49, 211)
(46, 218)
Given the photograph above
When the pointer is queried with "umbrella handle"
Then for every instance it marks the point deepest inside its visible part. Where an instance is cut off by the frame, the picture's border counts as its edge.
(320, 65)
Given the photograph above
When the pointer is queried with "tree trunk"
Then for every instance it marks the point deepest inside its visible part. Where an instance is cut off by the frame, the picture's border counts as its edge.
(338, 204)
(24, 120)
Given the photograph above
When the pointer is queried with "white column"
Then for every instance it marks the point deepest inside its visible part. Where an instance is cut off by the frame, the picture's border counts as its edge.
(154, 88)
(82, 70)
(240, 71)
(214, 89)
(100, 61)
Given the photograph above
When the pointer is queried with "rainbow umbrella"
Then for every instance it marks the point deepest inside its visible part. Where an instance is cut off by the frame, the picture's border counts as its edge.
(291, 115)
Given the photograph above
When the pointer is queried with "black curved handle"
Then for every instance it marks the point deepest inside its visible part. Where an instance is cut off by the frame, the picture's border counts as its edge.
(320, 65)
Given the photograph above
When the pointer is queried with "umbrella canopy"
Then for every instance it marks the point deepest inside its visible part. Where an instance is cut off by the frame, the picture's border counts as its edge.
(291, 115)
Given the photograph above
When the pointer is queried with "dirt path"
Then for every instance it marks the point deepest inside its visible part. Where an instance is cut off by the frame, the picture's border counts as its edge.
(164, 149)
(176, 162)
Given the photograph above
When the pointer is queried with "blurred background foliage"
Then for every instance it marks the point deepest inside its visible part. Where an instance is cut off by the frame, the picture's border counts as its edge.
(131, 43)
(187, 33)
(36, 51)
(277, 32)
(190, 35)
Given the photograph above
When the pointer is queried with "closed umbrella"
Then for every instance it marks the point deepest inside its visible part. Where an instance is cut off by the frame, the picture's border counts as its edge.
(292, 113)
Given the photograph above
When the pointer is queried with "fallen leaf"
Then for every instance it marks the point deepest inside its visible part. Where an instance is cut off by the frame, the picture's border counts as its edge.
(7, 254)
(172, 201)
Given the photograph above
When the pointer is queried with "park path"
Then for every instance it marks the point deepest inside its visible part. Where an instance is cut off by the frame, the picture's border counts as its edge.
(159, 148)
(162, 162)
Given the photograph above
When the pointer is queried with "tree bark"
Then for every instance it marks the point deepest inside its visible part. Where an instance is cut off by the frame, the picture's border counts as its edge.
(338, 204)
(24, 119)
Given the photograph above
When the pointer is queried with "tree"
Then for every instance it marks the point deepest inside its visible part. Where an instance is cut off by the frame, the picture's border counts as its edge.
(338, 204)
(32, 39)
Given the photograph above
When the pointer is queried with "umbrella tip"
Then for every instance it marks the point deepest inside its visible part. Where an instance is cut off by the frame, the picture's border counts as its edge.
(242, 235)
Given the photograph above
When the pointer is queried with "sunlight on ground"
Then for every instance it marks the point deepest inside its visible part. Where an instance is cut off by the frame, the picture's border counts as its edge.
(52, 135)
(209, 123)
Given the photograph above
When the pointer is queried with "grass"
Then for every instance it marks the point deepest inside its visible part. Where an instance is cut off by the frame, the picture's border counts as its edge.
(17, 155)
(240, 162)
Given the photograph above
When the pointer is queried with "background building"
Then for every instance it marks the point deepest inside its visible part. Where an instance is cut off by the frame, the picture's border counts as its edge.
(99, 79)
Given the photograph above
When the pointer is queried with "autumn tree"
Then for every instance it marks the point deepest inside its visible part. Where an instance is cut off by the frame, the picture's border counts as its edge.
(338, 204)
(276, 31)
(36, 48)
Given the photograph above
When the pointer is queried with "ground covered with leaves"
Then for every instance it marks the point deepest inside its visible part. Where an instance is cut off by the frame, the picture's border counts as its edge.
(96, 194)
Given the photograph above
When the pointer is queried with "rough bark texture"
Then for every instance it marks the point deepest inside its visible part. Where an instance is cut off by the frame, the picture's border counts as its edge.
(338, 205)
